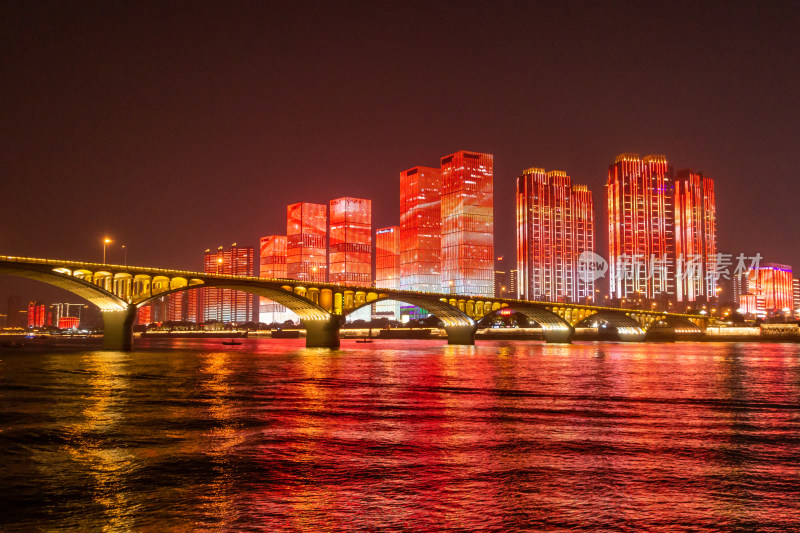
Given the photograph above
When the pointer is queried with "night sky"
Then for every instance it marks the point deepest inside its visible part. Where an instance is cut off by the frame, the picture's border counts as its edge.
(176, 127)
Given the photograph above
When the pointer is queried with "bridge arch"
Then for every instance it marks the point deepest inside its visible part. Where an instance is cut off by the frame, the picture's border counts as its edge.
(79, 285)
(294, 300)
(554, 327)
(674, 326)
(447, 313)
(626, 327)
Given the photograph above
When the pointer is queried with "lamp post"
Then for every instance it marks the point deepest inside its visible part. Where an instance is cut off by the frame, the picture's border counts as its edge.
(106, 242)
(124, 255)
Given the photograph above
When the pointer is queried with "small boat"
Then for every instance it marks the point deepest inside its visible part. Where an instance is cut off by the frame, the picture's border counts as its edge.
(231, 343)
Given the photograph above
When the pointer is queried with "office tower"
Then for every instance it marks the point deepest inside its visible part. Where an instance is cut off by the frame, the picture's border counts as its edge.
(420, 230)
(350, 255)
(555, 225)
(467, 224)
(273, 265)
(640, 193)
(695, 237)
(176, 306)
(796, 297)
(387, 267)
(225, 305)
(193, 308)
(37, 315)
(771, 288)
(144, 315)
(306, 242)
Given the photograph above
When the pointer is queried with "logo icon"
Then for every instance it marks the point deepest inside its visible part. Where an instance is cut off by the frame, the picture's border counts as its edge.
(591, 266)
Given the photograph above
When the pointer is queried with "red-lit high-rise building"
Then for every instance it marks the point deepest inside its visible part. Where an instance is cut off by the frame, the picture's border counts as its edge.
(37, 315)
(467, 224)
(306, 242)
(273, 265)
(555, 225)
(771, 290)
(641, 235)
(225, 305)
(387, 257)
(350, 253)
(176, 306)
(695, 237)
(420, 230)
(387, 266)
(144, 315)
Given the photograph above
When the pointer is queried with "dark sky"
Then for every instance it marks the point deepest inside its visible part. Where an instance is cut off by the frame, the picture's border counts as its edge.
(178, 126)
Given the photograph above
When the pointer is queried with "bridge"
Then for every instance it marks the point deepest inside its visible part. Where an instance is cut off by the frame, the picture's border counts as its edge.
(120, 290)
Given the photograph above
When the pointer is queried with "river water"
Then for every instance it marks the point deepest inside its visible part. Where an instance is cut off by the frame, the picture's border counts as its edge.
(401, 435)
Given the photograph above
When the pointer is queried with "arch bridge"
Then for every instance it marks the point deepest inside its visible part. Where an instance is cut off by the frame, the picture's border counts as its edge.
(120, 290)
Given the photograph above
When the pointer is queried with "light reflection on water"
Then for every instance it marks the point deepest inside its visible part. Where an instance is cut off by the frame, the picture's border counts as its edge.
(402, 435)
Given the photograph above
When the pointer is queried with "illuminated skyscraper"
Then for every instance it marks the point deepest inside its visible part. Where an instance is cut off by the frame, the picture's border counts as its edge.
(796, 296)
(387, 266)
(695, 237)
(640, 227)
(144, 315)
(350, 255)
(273, 265)
(176, 306)
(37, 315)
(555, 225)
(192, 309)
(771, 284)
(225, 305)
(306, 242)
(467, 224)
(420, 230)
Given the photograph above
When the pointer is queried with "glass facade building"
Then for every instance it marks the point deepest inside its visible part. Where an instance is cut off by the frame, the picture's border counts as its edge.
(420, 230)
(306, 242)
(771, 286)
(555, 226)
(225, 305)
(640, 194)
(695, 237)
(387, 266)
(272, 264)
(350, 253)
(467, 224)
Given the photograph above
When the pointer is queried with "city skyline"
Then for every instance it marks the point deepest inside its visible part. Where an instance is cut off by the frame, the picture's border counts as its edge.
(118, 100)
(124, 128)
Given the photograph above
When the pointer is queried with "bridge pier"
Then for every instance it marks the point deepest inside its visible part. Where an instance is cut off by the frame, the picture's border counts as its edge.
(118, 329)
(322, 333)
(463, 335)
(559, 335)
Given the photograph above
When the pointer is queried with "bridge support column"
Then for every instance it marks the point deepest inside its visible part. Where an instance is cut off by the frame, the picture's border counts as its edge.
(322, 333)
(118, 329)
(464, 335)
(562, 336)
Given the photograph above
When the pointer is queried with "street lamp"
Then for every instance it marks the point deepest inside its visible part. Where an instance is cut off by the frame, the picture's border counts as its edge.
(106, 242)
(124, 255)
